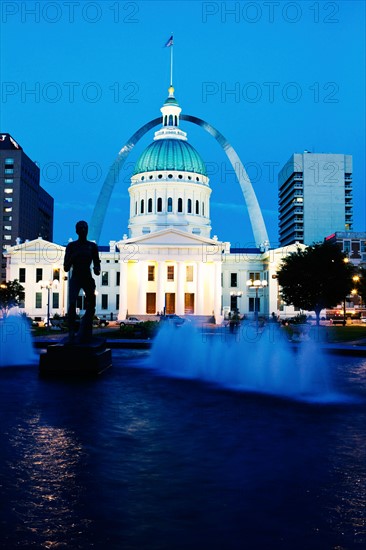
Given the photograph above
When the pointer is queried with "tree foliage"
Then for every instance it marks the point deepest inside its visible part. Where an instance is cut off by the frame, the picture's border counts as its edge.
(361, 284)
(315, 278)
(11, 295)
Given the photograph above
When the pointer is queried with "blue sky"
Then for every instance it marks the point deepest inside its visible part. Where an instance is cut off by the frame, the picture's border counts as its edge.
(79, 78)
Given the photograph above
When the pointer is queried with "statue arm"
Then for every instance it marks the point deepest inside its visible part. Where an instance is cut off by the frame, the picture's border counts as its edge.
(96, 260)
(68, 258)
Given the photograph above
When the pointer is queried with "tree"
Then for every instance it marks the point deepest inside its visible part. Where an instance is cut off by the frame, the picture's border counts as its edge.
(360, 284)
(11, 294)
(315, 278)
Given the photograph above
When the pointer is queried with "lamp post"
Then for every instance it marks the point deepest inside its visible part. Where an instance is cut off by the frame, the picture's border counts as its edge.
(48, 285)
(256, 284)
(346, 260)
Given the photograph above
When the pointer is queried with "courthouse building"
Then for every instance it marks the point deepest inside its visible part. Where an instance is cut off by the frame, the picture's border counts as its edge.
(168, 262)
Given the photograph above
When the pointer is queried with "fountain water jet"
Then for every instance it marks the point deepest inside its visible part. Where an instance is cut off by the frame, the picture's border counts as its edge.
(16, 346)
(247, 361)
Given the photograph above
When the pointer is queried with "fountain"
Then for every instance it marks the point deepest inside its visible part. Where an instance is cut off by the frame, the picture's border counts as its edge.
(248, 361)
(16, 346)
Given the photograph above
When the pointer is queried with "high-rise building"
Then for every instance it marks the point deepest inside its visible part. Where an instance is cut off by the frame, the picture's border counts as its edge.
(27, 209)
(315, 197)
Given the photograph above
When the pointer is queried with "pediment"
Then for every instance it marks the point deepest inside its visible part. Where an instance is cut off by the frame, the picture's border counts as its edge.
(169, 237)
(35, 245)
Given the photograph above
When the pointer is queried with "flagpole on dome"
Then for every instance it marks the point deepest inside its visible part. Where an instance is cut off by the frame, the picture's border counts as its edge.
(169, 44)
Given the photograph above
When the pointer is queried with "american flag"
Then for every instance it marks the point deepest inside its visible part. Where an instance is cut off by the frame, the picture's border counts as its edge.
(169, 42)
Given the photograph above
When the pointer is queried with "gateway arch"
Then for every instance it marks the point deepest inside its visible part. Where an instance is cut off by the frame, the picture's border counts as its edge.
(254, 211)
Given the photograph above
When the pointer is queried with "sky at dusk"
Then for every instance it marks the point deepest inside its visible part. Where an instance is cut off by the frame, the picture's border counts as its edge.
(78, 78)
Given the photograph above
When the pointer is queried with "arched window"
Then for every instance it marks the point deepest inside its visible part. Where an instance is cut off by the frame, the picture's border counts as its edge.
(165, 120)
(180, 205)
(149, 205)
(189, 206)
(136, 208)
(197, 207)
(142, 206)
(160, 205)
(170, 120)
(203, 208)
(176, 120)
(170, 204)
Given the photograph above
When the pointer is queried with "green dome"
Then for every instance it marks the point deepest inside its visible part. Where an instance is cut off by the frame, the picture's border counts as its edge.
(170, 154)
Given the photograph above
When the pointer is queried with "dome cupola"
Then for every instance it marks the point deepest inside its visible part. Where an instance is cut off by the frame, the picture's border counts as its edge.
(169, 186)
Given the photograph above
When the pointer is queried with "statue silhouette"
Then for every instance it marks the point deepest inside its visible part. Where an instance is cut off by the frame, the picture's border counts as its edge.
(79, 256)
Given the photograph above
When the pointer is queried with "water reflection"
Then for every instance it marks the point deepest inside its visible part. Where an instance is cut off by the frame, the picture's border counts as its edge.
(45, 462)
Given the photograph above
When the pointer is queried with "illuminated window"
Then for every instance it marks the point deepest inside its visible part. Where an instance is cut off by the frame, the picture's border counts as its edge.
(189, 273)
(151, 273)
(170, 273)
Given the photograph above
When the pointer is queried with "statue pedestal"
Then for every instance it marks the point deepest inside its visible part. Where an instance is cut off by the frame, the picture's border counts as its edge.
(66, 359)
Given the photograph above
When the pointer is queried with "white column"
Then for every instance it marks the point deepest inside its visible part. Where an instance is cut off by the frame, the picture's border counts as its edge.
(142, 279)
(180, 288)
(217, 290)
(123, 305)
(161, 275)
(200, 290)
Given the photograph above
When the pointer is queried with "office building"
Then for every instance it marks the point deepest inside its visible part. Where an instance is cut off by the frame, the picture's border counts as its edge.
(27, 209)
(315, 197)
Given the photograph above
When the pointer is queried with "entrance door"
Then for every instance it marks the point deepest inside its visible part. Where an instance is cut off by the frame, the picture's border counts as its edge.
(151, 302)
(169, 302)
(189, 304)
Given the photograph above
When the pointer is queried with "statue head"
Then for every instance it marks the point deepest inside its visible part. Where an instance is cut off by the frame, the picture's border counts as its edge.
(82, 228)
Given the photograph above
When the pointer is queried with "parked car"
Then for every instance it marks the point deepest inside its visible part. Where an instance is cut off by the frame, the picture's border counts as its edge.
(130, 321)
(98, 322)
(174, 319)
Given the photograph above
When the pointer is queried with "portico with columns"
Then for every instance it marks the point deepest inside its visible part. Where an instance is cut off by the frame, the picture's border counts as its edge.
(170, 271)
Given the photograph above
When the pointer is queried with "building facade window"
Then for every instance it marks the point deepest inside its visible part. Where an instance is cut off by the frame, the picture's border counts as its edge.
(151, 273)
(22, 274)
(160, 205)
(189, 273)
(104, 301)
(38, 303)
(170, 204)
(233, 279)
(142, 206)
(255, 276)
(149, 205)
(180, 205)
(39, 274)
(56, 274)
(55, 300)
(117, 302)
(104, 278)
(118, 278)
(189, 206)
(170, 272)
(197, 207)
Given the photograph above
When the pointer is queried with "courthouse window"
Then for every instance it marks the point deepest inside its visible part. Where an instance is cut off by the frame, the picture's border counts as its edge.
(151, 273)
(170, 273)
(189, 273)
(233, 279)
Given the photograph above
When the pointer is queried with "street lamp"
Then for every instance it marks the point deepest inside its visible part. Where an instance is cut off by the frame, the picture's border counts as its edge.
(49, 285)
(346, 260)
(256, 284)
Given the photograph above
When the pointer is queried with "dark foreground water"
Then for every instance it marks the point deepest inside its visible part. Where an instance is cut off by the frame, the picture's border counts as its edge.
(137, 459)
